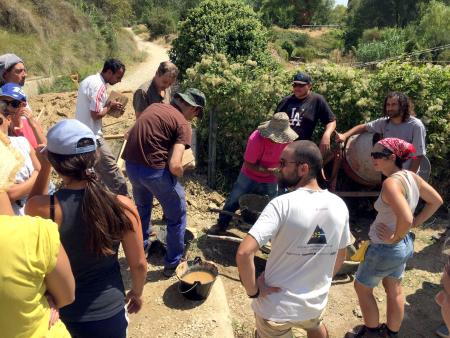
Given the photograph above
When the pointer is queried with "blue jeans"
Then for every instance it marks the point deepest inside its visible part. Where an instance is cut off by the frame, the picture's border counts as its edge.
(244, 185)
(160, 183)
(385, 260)
(113, 327)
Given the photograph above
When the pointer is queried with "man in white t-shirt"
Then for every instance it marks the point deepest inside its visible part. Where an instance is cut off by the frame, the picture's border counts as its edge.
(309, 231)
(91, 108)
(398, 122)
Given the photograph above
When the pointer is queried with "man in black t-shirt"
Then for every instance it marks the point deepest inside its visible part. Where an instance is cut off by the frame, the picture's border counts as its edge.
(305, 108)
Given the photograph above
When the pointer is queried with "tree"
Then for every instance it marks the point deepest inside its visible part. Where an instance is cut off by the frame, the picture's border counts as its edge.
(363, 14)
(220, 26)
(338, 15)
(287, 12)
(433, 29)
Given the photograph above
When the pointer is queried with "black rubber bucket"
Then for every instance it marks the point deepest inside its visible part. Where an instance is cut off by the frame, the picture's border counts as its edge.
(188, 271)
(251, 206)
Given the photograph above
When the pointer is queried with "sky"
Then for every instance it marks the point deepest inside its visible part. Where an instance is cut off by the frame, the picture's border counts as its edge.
(340, 2)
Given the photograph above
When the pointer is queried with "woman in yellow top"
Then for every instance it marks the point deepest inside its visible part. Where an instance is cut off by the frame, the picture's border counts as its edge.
(33, 266)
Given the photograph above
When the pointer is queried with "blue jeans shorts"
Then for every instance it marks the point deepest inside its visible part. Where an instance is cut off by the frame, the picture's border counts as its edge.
(385, 260)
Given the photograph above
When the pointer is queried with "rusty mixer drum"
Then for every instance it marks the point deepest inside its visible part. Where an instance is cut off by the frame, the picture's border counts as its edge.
(357, 161)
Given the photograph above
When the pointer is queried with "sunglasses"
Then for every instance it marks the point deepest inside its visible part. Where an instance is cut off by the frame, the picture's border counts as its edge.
(379, 155)
(15, 103)
(284, 163)
(299, 85)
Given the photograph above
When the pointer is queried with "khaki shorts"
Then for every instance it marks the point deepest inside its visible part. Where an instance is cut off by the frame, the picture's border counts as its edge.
(268, 329)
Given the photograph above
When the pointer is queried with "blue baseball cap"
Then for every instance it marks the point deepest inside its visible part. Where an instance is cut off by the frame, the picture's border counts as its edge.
(64, 136)
(12, 91)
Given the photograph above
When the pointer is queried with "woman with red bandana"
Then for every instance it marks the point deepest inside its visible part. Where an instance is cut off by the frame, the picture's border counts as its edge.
(391, 242)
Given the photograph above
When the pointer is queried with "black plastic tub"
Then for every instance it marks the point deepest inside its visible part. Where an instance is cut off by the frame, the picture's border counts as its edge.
(196, 289)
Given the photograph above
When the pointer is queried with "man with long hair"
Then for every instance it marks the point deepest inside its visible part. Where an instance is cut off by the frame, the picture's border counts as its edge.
(399, 122)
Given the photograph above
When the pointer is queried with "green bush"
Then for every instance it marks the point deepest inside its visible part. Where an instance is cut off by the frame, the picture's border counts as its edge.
(220, 26)
(305, 54)
(392, 42)
(288, 47)
(245, 94)
(160, 22)
(297, 38)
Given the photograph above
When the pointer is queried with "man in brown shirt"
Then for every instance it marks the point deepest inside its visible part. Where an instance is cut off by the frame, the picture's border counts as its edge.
(157, 89)
(153, 157)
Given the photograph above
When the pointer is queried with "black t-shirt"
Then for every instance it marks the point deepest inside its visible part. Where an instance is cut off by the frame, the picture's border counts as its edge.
(304, 113)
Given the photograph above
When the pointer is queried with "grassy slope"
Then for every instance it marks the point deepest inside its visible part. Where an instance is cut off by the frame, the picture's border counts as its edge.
(53, 38)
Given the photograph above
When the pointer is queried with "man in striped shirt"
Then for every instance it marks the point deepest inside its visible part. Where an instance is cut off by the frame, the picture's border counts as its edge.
(91, 108)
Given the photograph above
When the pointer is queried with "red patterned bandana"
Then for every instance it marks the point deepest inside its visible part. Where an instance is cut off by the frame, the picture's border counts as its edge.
(399, 147)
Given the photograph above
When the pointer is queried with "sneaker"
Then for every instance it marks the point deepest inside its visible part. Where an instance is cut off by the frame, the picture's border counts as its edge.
(362, 331)
(442, 331)
(169, 271)
(386, 333)
(217, 230)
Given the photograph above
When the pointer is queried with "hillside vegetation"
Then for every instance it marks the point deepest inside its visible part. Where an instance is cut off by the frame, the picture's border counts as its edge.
(60, 37)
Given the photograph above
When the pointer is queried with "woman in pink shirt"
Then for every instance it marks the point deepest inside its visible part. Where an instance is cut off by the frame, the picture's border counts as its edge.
(23, 123)
(261, 163)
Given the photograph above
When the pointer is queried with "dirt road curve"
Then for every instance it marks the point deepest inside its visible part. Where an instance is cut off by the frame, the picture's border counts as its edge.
(137, 74)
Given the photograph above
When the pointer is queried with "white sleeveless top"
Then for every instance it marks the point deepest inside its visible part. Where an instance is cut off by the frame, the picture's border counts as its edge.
(385, 213)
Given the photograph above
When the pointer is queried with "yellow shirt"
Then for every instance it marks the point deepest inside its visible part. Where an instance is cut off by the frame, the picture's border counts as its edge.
(28, 251)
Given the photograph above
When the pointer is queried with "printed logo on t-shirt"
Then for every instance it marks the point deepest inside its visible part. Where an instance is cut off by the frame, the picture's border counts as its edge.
(296, 117)
(318, 236)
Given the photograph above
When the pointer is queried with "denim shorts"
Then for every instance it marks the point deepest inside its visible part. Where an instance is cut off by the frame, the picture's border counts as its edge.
(385, 260)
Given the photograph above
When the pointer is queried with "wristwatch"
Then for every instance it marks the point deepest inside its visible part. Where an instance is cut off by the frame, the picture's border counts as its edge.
(255, 295)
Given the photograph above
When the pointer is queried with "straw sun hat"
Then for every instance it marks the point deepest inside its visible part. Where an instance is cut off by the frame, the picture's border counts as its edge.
(278, 129)
(11, 162)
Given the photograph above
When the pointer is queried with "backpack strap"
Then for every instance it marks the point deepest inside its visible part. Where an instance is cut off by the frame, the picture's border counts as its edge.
(52, 207)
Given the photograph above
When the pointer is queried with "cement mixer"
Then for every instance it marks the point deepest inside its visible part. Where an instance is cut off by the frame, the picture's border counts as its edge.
(354, 159)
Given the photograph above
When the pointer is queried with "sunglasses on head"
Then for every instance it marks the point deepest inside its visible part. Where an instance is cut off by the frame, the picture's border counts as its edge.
(15, 103)
(380, 154)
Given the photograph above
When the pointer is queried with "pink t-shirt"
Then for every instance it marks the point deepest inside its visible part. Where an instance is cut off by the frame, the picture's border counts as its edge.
(264, 152)
(27, 132)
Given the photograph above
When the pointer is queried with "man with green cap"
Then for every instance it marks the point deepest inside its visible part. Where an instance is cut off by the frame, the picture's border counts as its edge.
(153, 157)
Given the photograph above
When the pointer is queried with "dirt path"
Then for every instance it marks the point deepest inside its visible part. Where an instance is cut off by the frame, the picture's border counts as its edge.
(139, 73)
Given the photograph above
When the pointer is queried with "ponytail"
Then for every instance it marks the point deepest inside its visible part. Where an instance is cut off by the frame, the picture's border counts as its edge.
(101, 211)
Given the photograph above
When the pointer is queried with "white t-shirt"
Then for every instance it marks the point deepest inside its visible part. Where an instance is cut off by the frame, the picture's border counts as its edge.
(23, 146)
(92, 96)
(307, 228)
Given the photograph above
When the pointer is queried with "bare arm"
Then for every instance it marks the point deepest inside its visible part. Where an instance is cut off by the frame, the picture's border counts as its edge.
(35, 125)
(20, 190)
(60, 282)
(134, 253)
(101, 114)
(432, 201)
(260, 168)
(325, 141)
(359, 129)
(415, 164)
(175, 159)
(245, 263)
(339, 260)
(5, 205)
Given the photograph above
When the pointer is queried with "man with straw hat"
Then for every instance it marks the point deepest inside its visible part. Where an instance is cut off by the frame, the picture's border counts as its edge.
(261, 163)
